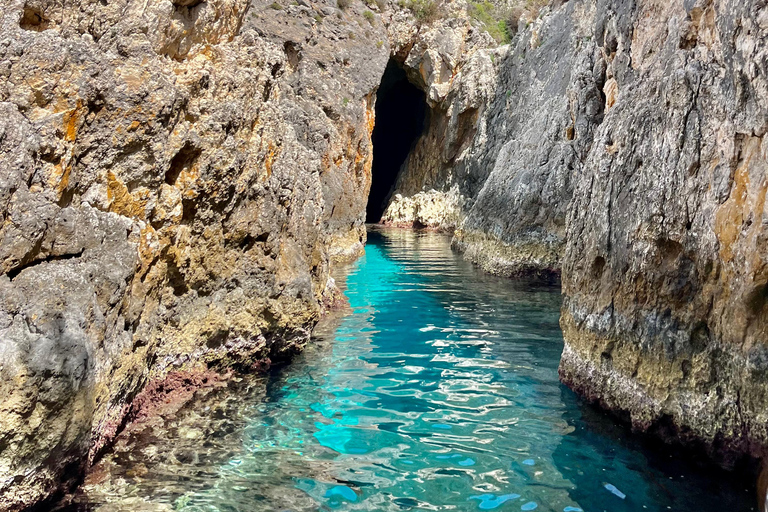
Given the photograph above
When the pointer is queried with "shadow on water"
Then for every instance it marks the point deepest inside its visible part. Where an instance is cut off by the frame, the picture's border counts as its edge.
(436, 390)
(641, 466)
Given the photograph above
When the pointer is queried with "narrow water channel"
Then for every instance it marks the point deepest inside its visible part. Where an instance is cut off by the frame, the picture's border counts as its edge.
(436, 390)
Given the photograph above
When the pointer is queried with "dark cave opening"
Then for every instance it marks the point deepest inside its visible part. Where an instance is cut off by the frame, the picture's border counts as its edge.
(401, 112)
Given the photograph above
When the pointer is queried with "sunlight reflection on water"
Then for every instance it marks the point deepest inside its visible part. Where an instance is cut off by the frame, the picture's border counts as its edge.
(438, 390)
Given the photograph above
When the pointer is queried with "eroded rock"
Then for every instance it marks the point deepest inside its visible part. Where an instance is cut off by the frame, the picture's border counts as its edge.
(175, 178)
(509, 129)
(624, 145)
(665, 314)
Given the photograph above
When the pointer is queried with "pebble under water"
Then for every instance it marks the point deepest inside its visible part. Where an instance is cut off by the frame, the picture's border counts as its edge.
(436, 390)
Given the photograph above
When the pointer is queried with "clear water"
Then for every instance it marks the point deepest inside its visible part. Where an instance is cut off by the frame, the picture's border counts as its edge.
(438, 390)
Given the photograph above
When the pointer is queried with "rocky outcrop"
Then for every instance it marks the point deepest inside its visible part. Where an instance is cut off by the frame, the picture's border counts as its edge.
(666, 267)
(433, 209)
(624, 144)
(175, 178)
(509, 130)
(540, 128)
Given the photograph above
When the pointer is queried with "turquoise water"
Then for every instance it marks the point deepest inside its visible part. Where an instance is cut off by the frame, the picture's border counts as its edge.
(438, 390)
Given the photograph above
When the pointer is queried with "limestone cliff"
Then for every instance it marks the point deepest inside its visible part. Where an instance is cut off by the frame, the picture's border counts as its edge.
(175, 178)
(666, 266)
(509, 130)
(623, 143)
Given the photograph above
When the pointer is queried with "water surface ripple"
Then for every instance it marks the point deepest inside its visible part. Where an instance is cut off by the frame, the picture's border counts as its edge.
(437, 391)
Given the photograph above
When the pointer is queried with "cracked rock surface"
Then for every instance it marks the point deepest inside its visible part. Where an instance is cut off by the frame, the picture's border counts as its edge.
(175, 178)
(666, 264)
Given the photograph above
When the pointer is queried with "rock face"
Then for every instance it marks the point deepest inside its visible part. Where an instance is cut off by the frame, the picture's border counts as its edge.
(510, 129)
(666, 268)
(624, 144)
(175, 178)
(540, 130)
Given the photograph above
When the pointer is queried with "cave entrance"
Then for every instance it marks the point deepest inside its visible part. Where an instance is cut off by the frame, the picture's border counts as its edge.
(401, 111)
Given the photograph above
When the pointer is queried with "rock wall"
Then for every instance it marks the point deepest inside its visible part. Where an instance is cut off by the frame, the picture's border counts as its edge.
(175, 178)
(622, 143)
(666, 267)
(510, 128)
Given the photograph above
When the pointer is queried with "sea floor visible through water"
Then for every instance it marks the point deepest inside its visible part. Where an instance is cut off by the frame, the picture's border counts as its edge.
(436, 389)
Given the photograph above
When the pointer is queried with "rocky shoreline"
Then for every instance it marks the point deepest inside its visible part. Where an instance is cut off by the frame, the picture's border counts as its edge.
(622, 146)
(178, 177)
